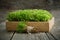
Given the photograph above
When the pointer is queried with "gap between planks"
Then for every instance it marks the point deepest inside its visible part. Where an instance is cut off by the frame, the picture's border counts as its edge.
(12, 36)
(51, 36)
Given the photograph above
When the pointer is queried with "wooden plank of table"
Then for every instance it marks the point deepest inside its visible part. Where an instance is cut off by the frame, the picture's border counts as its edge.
(56, 29)
(23, 36)
(43, 36)
(4, 35)
(34, 36)
(56, 33)
(37, 36)
(50, 36)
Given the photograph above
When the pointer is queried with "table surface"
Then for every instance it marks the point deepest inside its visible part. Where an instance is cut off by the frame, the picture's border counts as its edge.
(54, 34)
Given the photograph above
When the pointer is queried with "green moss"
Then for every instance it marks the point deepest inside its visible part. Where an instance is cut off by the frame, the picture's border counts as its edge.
(29, 15)
(21, 27)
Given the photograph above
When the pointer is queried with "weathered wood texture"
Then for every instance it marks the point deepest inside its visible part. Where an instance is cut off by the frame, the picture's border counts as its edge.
(36, 36)
(56, 29)
(4, 35)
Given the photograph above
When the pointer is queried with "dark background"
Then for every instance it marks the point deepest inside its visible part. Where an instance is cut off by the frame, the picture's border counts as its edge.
(29, 4)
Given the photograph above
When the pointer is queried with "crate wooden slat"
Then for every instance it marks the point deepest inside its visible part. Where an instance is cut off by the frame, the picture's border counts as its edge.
(38, 26)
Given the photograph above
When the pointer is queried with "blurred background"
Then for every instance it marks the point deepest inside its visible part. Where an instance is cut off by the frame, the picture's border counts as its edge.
(29, 4)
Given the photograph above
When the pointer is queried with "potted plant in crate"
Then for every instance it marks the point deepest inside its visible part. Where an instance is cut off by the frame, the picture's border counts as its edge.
(41, 20)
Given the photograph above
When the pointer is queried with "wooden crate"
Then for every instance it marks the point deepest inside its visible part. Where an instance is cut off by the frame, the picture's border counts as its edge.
(38, 26)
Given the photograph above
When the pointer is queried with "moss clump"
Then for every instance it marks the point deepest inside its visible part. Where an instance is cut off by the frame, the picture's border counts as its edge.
(29, 15)
(21, 27)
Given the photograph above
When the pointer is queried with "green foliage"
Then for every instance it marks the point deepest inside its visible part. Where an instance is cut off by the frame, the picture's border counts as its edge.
(29, 15)
(21, 27)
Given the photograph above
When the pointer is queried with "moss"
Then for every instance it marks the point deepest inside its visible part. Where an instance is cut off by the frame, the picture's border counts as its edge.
(21, 27)
(29, 15)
